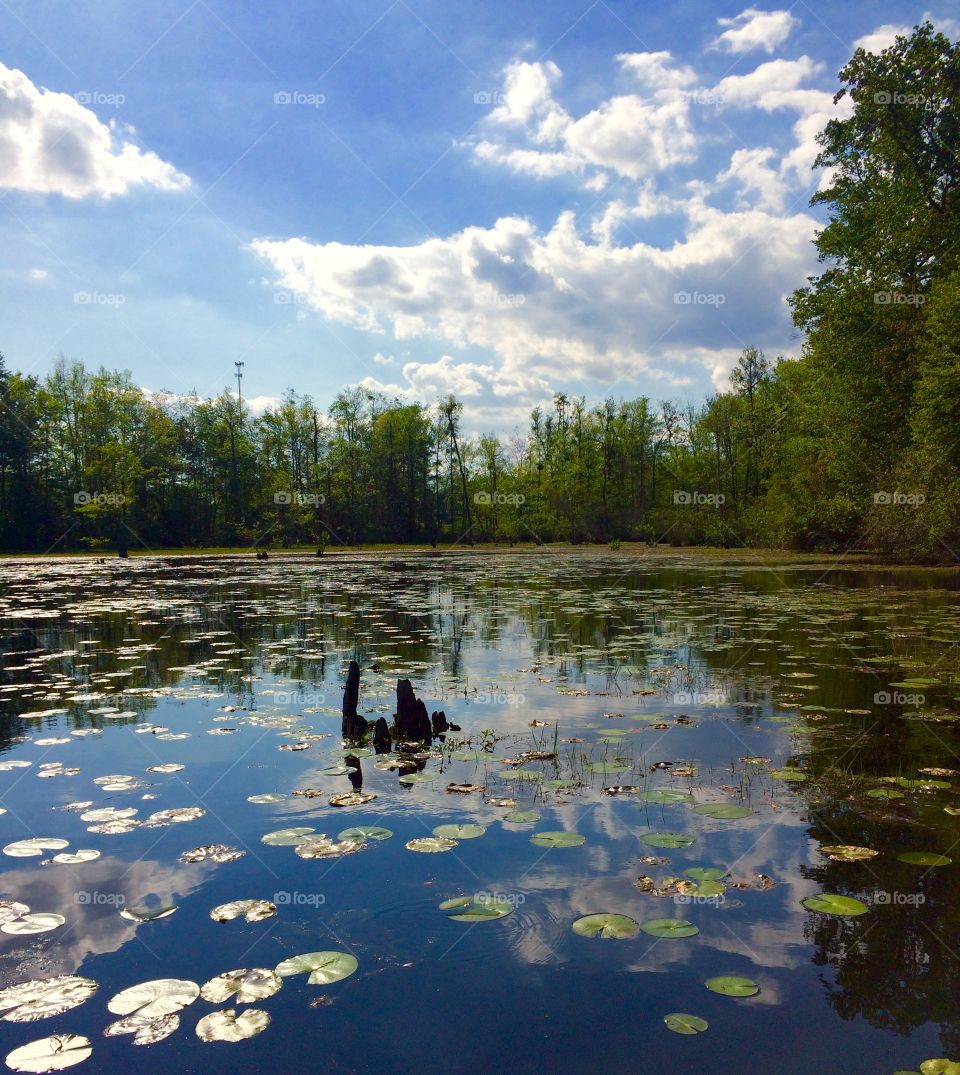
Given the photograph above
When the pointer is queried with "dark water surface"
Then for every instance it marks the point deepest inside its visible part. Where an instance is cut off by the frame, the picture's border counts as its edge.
(844, 684)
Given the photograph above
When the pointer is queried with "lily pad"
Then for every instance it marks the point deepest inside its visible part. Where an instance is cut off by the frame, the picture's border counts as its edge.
(666, 796)
(924, 858)
(722, 811)
(522, 817)
(41, 922)
(729, 985)
(286, 837)
(226, 1025)
(352, 798)
(615, 927)
(681, 1023)
(28, 1001)
(244, 985)
(790, 774)
(431, 844)
(558, 839)
(479, 908)
(55, 1053)
(365, 832)
(36, 845)
(831, 903)
(848, 852)
(459, 832)
(146, 1030)
(251, 910)
(323, 967)
(666, 839)
(162, 996)
(705, 873)
(669, 928)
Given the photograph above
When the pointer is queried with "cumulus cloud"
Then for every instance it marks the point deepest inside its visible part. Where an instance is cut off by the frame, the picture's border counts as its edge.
(52, 144)
(884, 36)
(561, 302)
(755, 29)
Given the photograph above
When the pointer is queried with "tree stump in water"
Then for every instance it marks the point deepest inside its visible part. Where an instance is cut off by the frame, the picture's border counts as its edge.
(412, 719)
(354, 726)
(382, 742)
(439, 722)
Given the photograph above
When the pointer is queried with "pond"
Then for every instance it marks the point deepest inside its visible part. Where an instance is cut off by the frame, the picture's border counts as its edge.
(695, 815)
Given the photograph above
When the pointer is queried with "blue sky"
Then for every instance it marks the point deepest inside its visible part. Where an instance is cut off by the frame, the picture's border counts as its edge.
(501, 200)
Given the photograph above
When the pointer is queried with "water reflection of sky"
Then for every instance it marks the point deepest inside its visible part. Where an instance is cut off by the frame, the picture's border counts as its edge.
(600, 649)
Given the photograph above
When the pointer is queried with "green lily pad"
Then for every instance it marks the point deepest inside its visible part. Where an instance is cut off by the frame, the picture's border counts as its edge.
(481, 908)
(669, 928)
(286, 837)
(831, 903)
(459, 832)
(365, 832)
(722, 811)
(666, 796)
(617, 927)
(705, 873)
(680, 1023)
(885, 793)
(666, 839)
(522, 817)
(730, 985)
(940, 1067)
(924, 858)
(323, 967)
(790, 774)
(558, 839)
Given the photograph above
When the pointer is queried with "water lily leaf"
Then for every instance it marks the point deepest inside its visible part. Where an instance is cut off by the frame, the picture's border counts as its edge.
(73, 858)
(669, 927)
(667, 839)
(323, 967)
(286, 837)
(722, 811)
(246, 985)
(940, 1067)
(11, 909)
(251, 910)
(831, 903)
(729, 985)
(55, 1053)
(143, 914)
(321, 847)
(146, 1030)
(680, 1023)
(479, 908)
(522, 817)
(28, 1001)
(365, 832)
(228, 1026)
(848, 852)
(162, 996)
(558, 839)
(666, 796)
(353, 798)
(270, 797)
(615, 927)
(212, 853)
(431, 844)
(33, 923)
(789, 774)
(705, 873)
(36, 845)
(459, 832)
(924, 858)
(885, 793)
(167, 767)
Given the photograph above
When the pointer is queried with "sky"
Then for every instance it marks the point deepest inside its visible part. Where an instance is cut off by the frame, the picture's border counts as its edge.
(501, 200)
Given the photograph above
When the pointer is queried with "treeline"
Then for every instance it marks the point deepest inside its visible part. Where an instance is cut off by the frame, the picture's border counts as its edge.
(853, 445)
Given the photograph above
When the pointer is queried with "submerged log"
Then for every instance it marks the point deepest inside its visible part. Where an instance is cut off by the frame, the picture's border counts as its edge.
(439, 722)
(412, 719)
(354, 726)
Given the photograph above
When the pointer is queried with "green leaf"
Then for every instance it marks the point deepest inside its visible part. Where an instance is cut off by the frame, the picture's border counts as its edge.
(831, 903)
(680, 1023)
(669, 928)
(615, 927)
(730, 985)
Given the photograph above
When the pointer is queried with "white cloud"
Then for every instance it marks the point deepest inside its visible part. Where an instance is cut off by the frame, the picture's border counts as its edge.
(656, 70)
(51, 144)
(753, 29)
(882, 37)
(750, 171)
(38, 274)
(555, 304)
